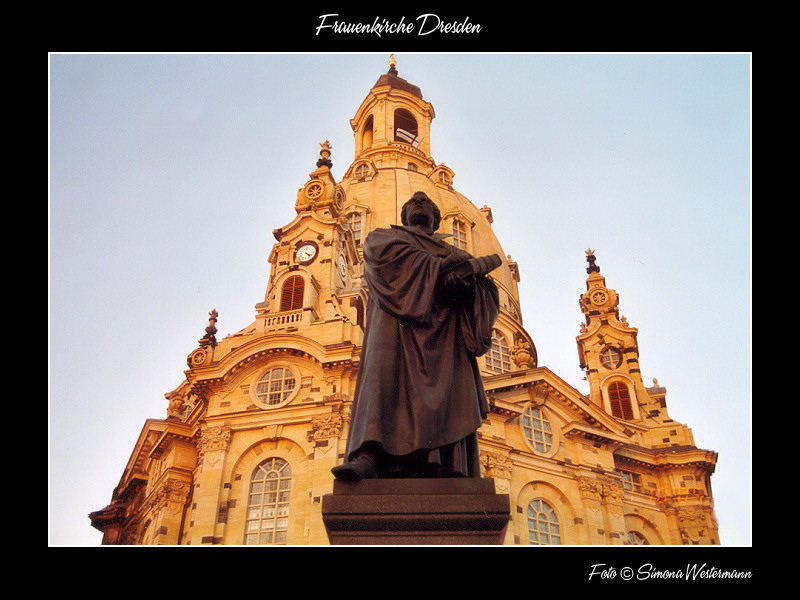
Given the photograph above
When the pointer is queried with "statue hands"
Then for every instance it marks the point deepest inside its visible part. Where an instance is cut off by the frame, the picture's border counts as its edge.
(453, 260)
(485, 264)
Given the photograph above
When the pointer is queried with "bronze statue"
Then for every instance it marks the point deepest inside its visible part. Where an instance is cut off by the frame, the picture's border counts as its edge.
(419, 399)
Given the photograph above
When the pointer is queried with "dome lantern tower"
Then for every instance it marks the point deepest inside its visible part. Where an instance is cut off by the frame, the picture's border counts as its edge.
(392, 125)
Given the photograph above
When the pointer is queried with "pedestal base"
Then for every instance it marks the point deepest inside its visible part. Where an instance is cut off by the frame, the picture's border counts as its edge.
(416, 511)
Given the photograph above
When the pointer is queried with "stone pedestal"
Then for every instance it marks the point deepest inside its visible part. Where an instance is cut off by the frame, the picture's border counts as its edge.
(463, 511)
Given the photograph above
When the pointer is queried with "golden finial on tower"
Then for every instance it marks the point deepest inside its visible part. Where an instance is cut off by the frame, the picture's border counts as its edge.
(392, 65)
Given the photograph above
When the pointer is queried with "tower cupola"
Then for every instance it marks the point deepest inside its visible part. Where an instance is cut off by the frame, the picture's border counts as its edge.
(392, 125)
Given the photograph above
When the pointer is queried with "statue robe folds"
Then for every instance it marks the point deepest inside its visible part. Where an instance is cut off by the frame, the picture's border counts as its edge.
(418, 386)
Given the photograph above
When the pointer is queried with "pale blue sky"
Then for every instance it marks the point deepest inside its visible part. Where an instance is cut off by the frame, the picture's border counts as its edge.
(169, 172)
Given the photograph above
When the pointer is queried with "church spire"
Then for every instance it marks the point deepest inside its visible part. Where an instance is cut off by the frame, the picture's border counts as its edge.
(608, 349)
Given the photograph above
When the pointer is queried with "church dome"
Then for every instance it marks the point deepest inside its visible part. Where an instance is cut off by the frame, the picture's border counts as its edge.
(393, 161)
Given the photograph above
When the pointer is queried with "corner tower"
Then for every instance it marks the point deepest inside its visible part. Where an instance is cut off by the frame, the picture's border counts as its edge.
(608, 349)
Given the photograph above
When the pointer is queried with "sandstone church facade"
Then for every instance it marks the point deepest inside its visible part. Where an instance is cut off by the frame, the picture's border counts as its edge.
(245, 451)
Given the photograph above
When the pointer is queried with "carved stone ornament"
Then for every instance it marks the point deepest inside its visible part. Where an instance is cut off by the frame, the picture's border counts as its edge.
(322, 428)
(338, 202)
(172, 494)
(522, 353)
(325, 155)
(213, 439)
(496, 465)
(606, 491)
(692, 516)
(539, 393)
(598, 297)
(590, 258)
(175, 407)
(314, 190)
(308, 194)
(209, 338)
(197, 358)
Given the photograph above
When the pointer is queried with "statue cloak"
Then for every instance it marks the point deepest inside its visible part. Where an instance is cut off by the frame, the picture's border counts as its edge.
(418, 385)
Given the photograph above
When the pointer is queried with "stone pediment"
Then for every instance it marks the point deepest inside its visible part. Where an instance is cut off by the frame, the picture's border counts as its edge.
(668, 457)
(153, 434)
(509, 393)
(305, 223)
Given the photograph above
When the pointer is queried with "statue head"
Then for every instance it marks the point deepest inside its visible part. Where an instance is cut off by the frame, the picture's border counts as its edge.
(421, 210)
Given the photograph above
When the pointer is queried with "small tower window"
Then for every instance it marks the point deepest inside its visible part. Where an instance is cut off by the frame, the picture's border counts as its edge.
(405, 127)
(497, 358)
(620, 400)
(292, 293)
(444, 178)
(366, 135)
(459, 235)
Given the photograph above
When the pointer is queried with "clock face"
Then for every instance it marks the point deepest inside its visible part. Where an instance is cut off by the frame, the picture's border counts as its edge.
(305, 253)
(341, 263)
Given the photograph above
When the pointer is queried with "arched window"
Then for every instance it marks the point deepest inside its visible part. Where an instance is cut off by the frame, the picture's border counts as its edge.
(276, 386)
(459, 235)
(292, 293)
(366, 135)
(620, 400)
(637, 539)
(498, 358)
(354, 221)
(268, 505)
(543, 527)
(536, 427)
(405, 127)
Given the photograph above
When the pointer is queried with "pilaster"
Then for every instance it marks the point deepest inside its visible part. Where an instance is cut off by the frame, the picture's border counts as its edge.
(212, 445)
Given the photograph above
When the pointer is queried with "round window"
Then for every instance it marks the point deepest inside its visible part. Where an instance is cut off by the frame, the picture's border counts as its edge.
(611, 358)
(536, 427)
(277, 386)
